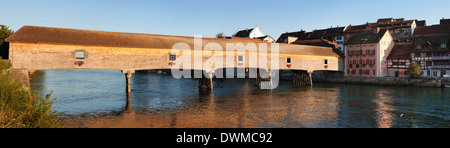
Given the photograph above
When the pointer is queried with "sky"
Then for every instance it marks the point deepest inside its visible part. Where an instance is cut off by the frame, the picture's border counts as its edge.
(209, 17)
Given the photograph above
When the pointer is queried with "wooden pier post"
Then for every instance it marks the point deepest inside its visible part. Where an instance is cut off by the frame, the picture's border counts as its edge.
(206, 82)
(301, 78)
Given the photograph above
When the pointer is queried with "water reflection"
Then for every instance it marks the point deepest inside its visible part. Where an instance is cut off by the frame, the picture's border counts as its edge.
(162, 101)
(384, 116)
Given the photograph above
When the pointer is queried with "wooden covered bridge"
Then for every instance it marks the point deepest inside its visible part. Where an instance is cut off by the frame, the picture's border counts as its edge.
(34, 48)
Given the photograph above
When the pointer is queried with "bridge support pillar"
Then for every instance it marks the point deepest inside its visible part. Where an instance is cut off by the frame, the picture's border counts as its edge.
(264, 79)
(206, 82)
(128, 79)
(302, 78)
(310, 78)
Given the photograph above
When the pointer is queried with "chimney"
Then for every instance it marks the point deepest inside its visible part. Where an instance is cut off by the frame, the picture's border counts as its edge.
(376, 30)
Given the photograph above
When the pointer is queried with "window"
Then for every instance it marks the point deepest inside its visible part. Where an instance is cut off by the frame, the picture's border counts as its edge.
(325, 62)
(240, 58)
(350, 53)
(288, 60)
(173, 57)
(443, 45)
(79, 55)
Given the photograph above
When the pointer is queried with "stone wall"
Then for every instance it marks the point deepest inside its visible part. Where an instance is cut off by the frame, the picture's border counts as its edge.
(338, 77)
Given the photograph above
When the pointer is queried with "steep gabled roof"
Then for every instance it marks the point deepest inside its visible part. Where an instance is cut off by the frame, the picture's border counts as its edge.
(367, 36)
(243, 33)
(284, 36)
(432, 30)
(401, 52)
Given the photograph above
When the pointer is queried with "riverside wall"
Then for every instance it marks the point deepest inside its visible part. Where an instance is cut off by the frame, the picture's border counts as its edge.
(339, 77)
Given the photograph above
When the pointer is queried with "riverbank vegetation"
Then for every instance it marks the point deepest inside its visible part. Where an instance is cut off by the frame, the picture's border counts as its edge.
(19, 108)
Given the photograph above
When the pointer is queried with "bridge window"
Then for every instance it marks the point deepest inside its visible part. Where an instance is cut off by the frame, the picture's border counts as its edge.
(325, 61)
(173, 57)
(240, 58)
(79, 55)
(288, 60)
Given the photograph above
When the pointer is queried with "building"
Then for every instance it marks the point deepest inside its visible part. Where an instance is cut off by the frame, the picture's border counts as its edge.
(366, 53)
(254, 33)
(401, 30)
(399, 60)
(249, 33)
(330, 34)
(432, 49)
(266, 38)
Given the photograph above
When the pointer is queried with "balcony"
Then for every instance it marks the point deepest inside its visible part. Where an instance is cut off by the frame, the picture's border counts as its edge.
(440, 66)
(440, 58)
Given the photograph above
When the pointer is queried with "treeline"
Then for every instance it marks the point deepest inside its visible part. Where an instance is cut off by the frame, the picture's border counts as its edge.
(5, 32)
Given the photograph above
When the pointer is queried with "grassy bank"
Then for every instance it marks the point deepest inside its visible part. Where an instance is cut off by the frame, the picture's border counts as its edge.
(19, 108)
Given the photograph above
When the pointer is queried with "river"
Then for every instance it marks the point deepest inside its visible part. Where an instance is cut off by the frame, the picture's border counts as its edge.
(97, 98)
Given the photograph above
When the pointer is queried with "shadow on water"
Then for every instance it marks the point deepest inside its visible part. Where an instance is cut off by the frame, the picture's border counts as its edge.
(97, 98)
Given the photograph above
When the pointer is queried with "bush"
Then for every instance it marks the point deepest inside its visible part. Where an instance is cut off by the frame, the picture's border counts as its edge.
(414, 71)
(19, 108)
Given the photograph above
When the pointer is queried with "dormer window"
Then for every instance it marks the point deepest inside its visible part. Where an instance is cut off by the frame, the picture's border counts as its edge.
(427, 44)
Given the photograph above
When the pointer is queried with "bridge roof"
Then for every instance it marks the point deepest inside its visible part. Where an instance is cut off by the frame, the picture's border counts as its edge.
(64, 36)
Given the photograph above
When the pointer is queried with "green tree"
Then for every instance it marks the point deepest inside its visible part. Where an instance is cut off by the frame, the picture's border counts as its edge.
(220, 35)
(414, 71)
(5, 32)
